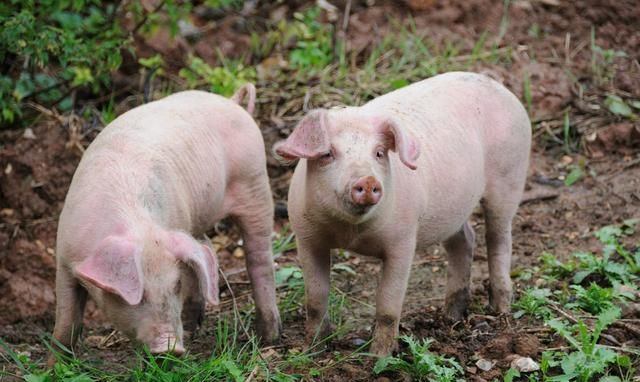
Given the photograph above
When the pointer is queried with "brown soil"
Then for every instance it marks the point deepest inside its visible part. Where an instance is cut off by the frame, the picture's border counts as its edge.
(550, 40)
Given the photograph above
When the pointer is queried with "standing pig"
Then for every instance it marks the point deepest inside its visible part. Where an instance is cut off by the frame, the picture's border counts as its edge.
(403, 172)
(154, 177)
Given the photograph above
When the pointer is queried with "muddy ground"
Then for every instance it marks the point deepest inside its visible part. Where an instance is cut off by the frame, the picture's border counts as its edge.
(550, 40)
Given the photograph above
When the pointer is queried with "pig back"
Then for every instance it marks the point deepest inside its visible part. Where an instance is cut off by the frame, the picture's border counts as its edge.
(169, 162)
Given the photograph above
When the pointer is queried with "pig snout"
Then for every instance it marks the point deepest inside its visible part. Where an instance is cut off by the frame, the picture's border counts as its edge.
(366, 191)
(165, 340)
(167, 343)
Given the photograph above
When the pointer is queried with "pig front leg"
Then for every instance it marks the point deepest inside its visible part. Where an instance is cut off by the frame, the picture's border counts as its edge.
(389, 299)
(459, 257)
(500, 206)
(259, 258)
(194, 303)
(316, 269)
(71, 298)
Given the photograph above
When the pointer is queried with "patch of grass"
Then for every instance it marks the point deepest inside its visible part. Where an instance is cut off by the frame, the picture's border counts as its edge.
(223, 80)
(314, 48)
(533, 302)
(587, 358)
(420, 364)
(594, 299)
(233, 358)
(526, 93)
(602, 61)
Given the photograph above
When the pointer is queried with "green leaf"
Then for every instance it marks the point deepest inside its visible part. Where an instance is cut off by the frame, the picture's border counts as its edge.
(635, 104)
(608, 234)
(82, 76)
(283, 274)
(581, 275)
(616, 105)
(344, 268)
(610, 378)
(233, 369)
(573, 176)
(386, 363)
(510, 374)
(152, 62)
(37, 377)
(399, 83)
(606, 318)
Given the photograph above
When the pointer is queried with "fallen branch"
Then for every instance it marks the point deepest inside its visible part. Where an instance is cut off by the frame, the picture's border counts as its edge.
(540, 195)
(628, 327)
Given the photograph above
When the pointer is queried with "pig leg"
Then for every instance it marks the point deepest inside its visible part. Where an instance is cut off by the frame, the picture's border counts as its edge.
(499, 210)
(193, 310)
(389, 299)
(459, 256)
(316, 269)
(71, 299)
(256, 228)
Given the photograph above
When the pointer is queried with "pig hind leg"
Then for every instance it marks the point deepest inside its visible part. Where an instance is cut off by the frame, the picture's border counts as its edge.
(459, 257)
(71, 299)
(500, 204)
(255, 218)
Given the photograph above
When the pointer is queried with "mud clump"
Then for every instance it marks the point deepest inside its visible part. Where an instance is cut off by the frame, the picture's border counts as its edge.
(506, 344)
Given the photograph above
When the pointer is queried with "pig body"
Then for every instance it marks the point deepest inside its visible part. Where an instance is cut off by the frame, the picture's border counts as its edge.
(154, 177)
(401, 173)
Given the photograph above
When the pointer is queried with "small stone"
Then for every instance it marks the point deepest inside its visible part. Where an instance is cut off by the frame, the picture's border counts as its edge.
(28, 133)
(358, 342)
(482, 326)
(566, 159)
(238, 253)
(485, 364)
(525, 364)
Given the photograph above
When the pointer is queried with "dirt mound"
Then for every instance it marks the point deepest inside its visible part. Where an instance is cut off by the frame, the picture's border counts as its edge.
(36, 172)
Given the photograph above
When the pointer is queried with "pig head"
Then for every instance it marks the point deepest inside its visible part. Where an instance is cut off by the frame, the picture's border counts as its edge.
(142, 283)
(348, 159)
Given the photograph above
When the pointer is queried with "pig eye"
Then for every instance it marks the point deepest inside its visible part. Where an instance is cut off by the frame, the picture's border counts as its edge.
(380, 154)
(326, 158)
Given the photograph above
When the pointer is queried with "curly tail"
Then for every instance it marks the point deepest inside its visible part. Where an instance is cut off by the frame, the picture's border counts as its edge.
(246, 89)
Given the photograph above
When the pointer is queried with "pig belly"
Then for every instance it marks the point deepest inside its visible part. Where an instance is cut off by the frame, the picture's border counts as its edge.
(456, 189)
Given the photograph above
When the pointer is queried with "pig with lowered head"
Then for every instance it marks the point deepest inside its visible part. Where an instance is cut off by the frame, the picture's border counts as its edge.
(152, 180)
(401, 173)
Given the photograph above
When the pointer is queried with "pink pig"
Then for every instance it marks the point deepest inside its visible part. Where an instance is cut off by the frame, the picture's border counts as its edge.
(401, 173)
(154, 177)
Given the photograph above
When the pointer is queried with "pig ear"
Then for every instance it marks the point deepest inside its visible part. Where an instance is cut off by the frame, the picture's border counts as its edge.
(402, 142)
(309, 139)
(202, 260)
(115, 267)
(247, 89)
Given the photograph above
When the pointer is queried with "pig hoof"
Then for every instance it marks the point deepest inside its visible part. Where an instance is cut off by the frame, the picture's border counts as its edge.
(269, 330)
(502, 307)
(456, 305)
(51, 361)
(502, 304)
(384, 347)
(316, 334)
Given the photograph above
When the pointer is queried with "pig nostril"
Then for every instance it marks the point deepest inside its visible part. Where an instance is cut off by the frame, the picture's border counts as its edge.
(375, 190)
(359, 189)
